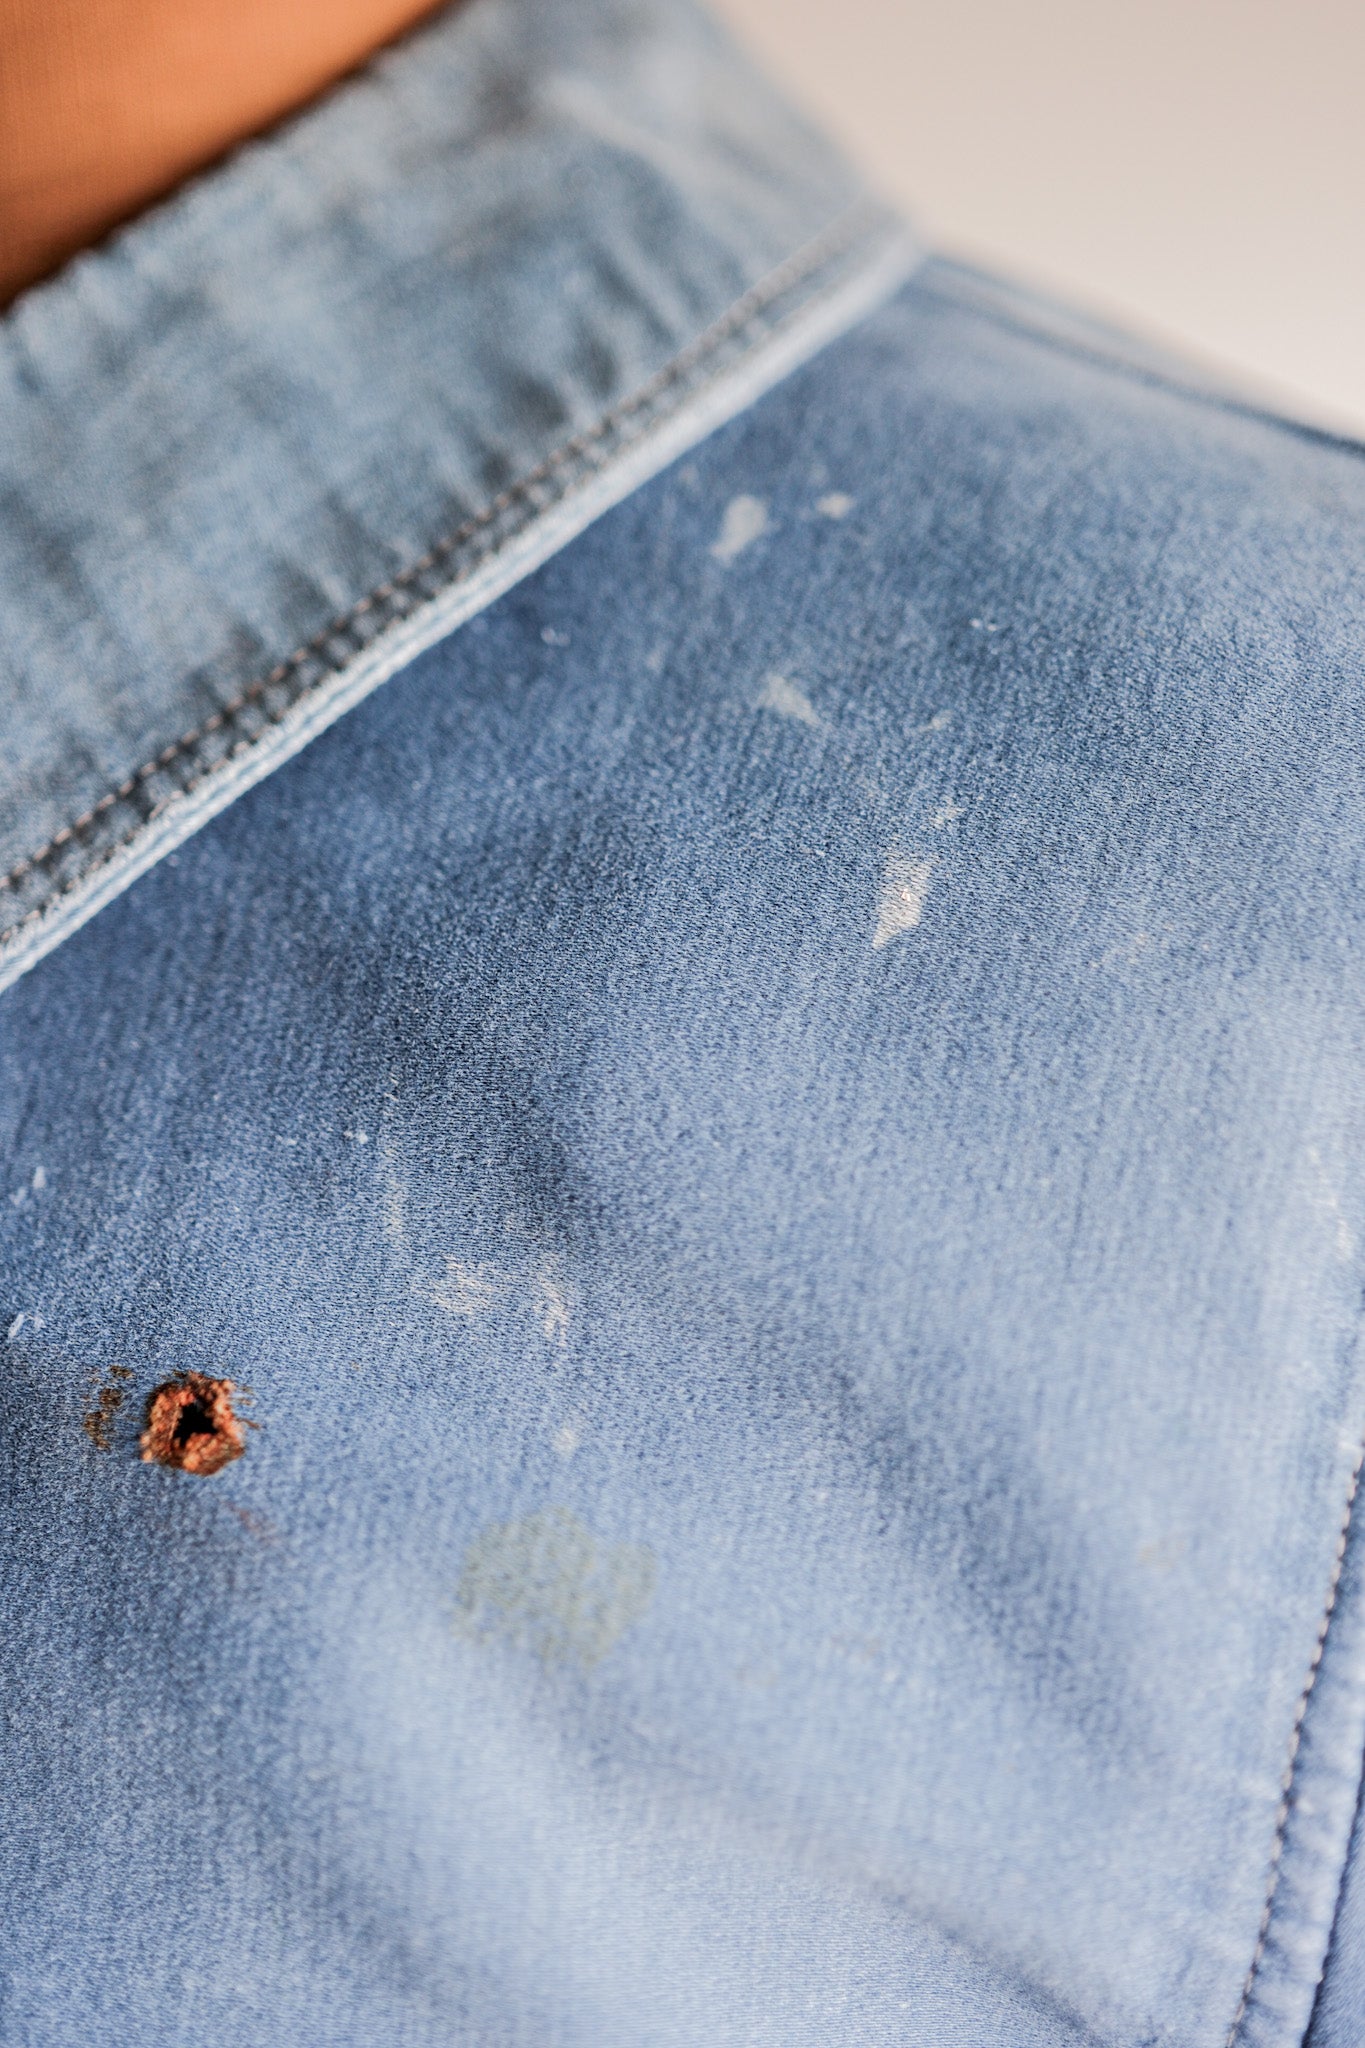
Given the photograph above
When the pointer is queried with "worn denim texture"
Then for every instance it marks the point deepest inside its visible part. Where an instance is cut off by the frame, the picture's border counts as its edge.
(773, 1126)
(1339, 2014)
(362, 363)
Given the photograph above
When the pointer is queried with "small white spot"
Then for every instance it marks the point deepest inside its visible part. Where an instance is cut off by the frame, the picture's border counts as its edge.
(15, 1327)
(983, 626)
(552, 638)
(905, 884)
(567, 1438)
(946, 814)
(836, 505)
(552, 1301)
(19, 1197)
(654, 660)
(39, 1179)
(745, 519)
(940, 722)
(395, 1194)
(466, 1291)
(787, 700)
(1329, 1202)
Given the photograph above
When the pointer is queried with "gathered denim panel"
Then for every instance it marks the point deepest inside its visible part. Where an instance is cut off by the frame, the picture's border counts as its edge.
(775, 1130)
(270, 417)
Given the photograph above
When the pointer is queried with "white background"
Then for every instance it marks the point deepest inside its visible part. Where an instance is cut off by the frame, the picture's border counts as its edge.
(1192, 168)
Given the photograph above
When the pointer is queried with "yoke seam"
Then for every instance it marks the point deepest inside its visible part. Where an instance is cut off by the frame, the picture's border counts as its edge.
(586, 445)
(1285, 1808)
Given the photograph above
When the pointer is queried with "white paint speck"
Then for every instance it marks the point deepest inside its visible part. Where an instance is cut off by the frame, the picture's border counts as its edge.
(946, 814)
(394, 1194)
(39, 1179)
(552, 638)
(835, 504)
(745, 519)
(787, 700)
(567, 1438)
(905, 884)
(15, 1327)
(1328, 1201)
(466, 1291)
(552, 1301)
(940, 722)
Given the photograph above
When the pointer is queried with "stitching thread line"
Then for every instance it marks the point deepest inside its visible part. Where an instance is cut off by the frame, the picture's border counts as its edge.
(1285, 1807)
(827, 247)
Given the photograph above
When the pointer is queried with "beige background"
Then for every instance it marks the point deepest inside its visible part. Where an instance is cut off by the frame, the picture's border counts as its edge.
(1194, 168)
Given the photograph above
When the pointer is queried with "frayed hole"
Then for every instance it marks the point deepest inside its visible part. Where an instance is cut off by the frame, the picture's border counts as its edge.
(191, 1425)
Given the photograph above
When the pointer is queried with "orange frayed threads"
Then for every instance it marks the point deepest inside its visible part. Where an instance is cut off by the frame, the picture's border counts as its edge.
(191, 1425)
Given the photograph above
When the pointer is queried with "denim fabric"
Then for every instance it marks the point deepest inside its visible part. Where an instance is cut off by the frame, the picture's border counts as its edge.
(266, 424)
(773, 1128)
(1339, 2013)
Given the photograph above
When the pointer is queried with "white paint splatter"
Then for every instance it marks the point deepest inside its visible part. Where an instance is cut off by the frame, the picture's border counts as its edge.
(466, 1291)
(552, 1301)
(39, 1179)
(836, 505)
(15, 1327)
(787, 700)
(568, 1437)
(745, 519)
(553, 638)
(905, 884)
(946, 814)
(940, 722)
(395, 1195)
(1328, 1202)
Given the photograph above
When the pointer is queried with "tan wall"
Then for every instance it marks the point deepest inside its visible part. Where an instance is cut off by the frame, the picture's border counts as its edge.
(1194, 167)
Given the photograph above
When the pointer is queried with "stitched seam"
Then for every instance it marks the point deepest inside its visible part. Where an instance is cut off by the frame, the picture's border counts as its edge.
(1295, 1740)
(585, 446)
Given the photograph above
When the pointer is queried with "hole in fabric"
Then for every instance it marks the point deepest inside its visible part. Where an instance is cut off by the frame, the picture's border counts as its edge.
(191, 1425)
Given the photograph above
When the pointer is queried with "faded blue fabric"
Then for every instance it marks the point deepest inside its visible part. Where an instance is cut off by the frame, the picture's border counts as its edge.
(773, 1127)
(276, 415)
(1339, 2014)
